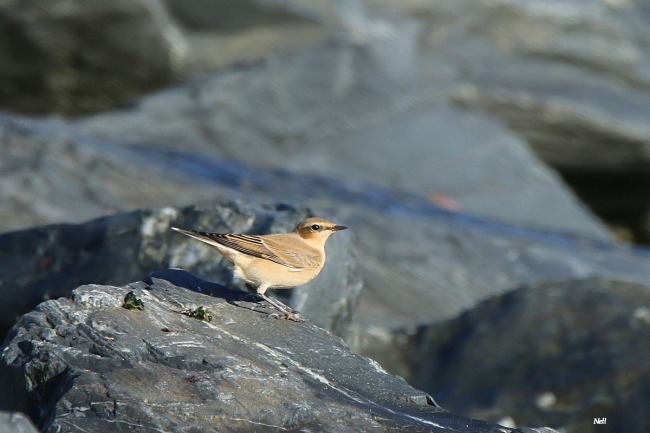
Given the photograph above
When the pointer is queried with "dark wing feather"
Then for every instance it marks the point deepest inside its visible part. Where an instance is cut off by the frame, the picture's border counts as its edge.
(267, 247)
(247, 244)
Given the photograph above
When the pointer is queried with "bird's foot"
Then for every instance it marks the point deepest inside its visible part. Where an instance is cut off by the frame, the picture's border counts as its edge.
(286, 311)
(295, 316)
(289, 316)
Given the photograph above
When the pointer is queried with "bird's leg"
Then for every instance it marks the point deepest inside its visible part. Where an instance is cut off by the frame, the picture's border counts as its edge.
(288, 312)
(277, 304)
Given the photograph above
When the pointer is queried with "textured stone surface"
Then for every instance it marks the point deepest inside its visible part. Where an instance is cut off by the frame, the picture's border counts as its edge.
(16, 422)
(69, 56)
(558, 354)
(86, 364)
(419, 263)
(50, 174)
(368, 128)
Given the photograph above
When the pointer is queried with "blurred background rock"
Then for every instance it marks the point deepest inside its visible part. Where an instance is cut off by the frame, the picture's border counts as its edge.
(570, 79)
(475, 147)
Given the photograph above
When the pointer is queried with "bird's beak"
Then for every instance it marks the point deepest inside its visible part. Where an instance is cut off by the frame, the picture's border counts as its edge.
(337, 228)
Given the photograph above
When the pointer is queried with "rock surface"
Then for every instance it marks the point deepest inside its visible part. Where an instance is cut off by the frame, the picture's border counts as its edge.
(69, 56)
(58, 173)
(86, 364)
(383, 137)
(16, 422)
(559, 353)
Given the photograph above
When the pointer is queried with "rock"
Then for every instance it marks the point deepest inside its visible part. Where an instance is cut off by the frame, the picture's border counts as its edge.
(48, 262)
(228, 16)
(552, 75)
(571, 79)
(560, 354)
(533, 430)
(85, 363)
(264, 114)
(97, 176)
(70, 56)
(51, 174)
(16, 422)
(221, 34)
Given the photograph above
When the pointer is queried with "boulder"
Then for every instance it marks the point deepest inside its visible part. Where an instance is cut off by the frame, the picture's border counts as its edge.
(376, 129)
(87, 363)
(16, 422)
(226, 16)
(50, 173)
(571, 79)
(562, 354)
(70, 56)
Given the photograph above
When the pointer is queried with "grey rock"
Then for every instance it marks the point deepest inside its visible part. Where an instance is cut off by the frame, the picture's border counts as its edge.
(372, 125)
(85, 363)
(535, 430)
(52, 174)
(558, 354)
(70, 56)
(16, 422)
(223, 16)
(49, 261)
(221, 34)
(571, 78)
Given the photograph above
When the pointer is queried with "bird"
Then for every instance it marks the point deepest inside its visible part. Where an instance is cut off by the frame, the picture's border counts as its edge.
(283, 260)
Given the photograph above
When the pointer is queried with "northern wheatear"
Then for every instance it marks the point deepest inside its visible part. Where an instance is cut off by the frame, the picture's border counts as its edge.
(274, 261)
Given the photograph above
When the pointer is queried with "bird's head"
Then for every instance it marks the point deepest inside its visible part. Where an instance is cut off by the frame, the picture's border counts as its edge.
(317, 229)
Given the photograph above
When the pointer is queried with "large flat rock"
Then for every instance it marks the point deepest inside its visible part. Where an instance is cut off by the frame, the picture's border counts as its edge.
(16, 422)
(84, 363)
(564, 352)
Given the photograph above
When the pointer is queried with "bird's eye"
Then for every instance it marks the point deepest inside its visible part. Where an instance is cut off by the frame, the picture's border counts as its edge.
(315, 227)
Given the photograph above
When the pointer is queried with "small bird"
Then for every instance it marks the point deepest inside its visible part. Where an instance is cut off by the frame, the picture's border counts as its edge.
(282, 260)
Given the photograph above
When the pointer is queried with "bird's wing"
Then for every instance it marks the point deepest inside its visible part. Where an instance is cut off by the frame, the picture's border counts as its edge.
(294, 253)
(290, 253)
(265, 247)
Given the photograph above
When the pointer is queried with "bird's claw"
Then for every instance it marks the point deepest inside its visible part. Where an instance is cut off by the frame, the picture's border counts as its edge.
(295, 317)
(288, 316)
